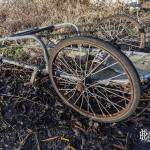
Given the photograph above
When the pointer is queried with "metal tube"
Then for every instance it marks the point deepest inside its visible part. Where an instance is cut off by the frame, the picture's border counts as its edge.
(36, 38)
(9, 38)
(4, 60)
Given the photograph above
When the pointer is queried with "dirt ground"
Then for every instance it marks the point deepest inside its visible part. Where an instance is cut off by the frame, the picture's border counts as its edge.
(33, 117)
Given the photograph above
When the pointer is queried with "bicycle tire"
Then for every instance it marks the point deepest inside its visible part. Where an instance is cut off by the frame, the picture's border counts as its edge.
(123, 31)
(121, 59)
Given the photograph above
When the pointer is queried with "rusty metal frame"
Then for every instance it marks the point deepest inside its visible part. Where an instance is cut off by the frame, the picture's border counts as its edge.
(39, 40)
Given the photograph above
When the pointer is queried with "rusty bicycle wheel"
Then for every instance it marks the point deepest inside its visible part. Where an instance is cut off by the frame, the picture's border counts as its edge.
(145, 21)
(95, 79)
(121, 30)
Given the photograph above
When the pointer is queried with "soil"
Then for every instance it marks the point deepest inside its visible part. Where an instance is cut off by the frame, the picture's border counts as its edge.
(33, 117)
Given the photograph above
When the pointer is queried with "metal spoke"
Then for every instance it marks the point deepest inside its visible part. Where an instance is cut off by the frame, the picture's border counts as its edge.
(66, 89)
(67, 65)
(112, 103)
(114, 93)
(102, 81)
(66, 83)
(80, 47)
(117, 90)
(93, 61)
(105, 31)
(103, 69)
(98, 66)
(81, 102)
(76, 64)
(99, 103)
(87, 58)
(89, 106)
(78, 98)
(60, 78)
(72, 94)
(61, 69)
(124, 28)
(120, 24)
(109, 31)
(122, 100)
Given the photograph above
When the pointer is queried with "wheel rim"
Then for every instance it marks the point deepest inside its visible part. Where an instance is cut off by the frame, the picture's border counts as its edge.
(146, 24)
(121, 31)
(92, 81)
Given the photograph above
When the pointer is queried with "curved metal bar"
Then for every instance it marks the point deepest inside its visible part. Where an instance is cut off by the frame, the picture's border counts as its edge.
(58, 26)
(40, 41)
(37, 39)
(33, 31)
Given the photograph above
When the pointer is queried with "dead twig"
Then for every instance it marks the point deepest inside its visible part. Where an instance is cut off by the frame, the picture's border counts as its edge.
(51, 139)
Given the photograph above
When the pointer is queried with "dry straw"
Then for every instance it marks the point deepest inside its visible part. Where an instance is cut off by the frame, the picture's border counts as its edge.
(21, 14)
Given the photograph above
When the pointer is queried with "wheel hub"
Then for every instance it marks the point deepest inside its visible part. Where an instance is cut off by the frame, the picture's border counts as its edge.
(80, 87)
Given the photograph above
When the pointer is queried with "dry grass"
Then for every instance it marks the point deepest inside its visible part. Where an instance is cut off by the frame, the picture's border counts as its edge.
(20, 14)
